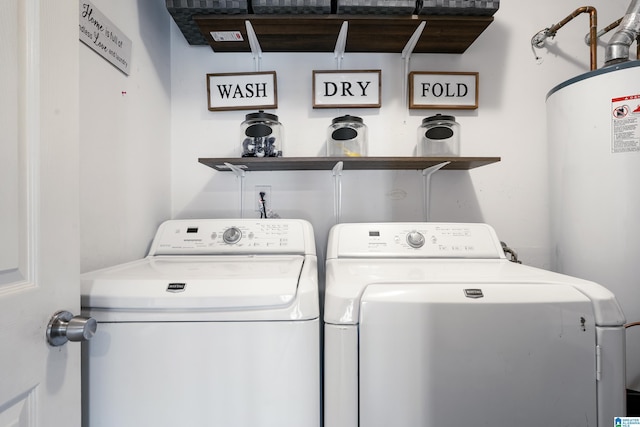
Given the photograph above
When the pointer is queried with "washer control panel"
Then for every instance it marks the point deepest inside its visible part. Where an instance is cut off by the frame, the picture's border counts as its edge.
(185, 237)
(414, 240)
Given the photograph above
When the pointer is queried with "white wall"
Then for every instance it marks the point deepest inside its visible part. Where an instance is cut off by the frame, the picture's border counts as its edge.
(139, 150)
(125, 138)
(141, 135)
(510, 122)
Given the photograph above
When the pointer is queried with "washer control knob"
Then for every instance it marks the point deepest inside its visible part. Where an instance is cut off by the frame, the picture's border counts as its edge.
(232, 235)
(415, 239)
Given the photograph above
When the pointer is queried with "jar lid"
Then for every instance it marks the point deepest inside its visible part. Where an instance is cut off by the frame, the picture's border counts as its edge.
(261, 115)
(347, 118)
(438, 117)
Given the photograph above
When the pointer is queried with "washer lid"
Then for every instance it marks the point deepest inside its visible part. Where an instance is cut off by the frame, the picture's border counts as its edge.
(195, 283)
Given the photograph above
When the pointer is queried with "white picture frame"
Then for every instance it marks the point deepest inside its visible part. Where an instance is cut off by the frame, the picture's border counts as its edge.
(443, 90)
(242, 91)
(347, 89)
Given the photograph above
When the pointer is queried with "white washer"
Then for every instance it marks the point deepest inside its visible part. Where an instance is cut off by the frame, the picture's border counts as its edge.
(217, 326)
(428, 324)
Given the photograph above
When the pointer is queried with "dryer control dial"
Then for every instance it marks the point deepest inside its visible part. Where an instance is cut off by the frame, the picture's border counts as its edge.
(415, 239)
(232, 235)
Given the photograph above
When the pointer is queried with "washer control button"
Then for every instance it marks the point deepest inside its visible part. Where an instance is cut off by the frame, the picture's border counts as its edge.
(415, 239)
(232, 235)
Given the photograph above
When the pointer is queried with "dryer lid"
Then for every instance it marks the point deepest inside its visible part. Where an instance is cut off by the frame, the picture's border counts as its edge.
(348, 279)
(189, 283)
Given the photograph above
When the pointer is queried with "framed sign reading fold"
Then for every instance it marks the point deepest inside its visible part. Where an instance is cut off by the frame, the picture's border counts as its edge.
(447, 90)
(242, 91)
(347, 89)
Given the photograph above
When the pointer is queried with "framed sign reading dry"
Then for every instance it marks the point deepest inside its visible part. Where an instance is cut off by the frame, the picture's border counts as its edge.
(456, 91)
(242, 91)
(347, 89)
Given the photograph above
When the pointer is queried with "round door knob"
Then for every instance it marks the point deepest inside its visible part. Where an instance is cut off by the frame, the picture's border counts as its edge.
(64, 327)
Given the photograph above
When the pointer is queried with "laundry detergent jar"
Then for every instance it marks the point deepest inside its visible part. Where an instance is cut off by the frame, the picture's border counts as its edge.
(438, 135)
(262, 135)
(347, 137)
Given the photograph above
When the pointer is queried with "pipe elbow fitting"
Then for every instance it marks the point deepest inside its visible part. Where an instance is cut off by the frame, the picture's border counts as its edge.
(617, 49)
(615, 53)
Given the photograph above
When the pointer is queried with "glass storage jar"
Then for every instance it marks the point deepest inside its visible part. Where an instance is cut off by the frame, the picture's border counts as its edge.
(262, 135)
(439, 135)
(347, 137)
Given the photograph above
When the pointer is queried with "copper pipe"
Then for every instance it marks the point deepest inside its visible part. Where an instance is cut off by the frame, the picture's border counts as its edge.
(603, 31)
(593, 25)
(608, 28)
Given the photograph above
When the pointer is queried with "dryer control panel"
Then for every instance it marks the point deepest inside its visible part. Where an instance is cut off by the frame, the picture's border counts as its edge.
(414, 240)
(233, 236)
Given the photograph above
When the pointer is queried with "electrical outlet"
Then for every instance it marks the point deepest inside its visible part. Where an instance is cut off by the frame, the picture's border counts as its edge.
(266, 189)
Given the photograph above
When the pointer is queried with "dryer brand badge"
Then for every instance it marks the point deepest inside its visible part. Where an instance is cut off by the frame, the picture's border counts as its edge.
(473, 293)
(176, 287)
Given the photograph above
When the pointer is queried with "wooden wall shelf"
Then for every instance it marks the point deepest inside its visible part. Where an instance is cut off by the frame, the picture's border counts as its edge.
(349, 163)
(367, 33)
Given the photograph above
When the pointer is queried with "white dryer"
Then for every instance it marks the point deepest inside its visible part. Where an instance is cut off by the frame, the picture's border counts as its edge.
(217, 326)
(428, 324)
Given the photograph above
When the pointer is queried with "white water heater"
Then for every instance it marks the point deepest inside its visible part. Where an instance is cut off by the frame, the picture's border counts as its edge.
(594, 151)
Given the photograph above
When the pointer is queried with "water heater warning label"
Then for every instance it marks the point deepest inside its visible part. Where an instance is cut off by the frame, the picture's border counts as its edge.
(625, 115)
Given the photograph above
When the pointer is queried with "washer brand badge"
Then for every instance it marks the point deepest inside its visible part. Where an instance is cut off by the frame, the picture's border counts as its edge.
(473, 293)
(176, 287)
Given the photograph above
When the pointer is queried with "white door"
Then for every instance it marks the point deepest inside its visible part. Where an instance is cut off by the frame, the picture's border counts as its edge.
(39, 259)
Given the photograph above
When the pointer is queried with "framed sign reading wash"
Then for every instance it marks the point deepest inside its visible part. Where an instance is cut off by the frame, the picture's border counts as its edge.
(456, 91)
(242, 91)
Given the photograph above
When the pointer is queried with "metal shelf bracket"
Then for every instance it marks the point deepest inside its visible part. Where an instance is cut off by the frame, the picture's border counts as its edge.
(256, 50)
(426, 182)
(240, 174)
(406, 55)
(341, 43)
(337, 190)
